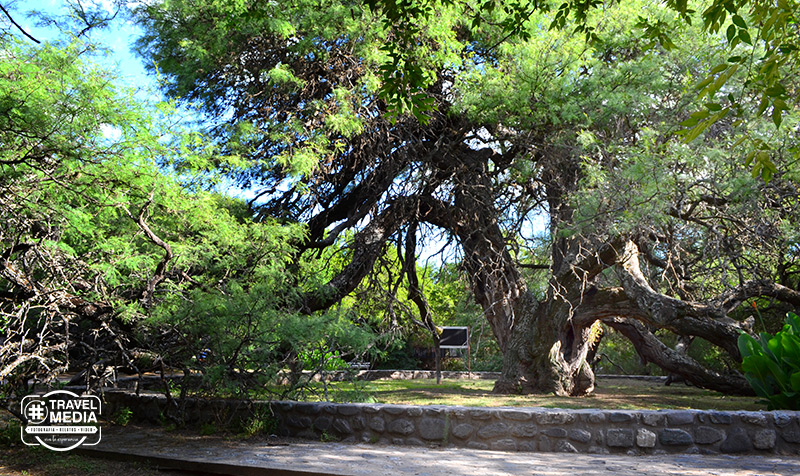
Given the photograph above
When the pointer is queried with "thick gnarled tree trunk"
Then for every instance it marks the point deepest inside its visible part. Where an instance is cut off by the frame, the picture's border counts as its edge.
(552, 340)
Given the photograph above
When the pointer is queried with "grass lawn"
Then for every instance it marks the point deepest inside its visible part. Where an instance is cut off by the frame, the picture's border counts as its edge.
(610, 393)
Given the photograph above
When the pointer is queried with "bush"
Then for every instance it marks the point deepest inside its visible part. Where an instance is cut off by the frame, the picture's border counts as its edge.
(772, 364)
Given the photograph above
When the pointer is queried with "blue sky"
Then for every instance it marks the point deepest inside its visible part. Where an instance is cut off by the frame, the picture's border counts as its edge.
(119, 38)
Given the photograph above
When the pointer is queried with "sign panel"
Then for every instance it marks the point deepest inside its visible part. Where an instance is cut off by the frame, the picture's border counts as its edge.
(61, 420)
(454, 338)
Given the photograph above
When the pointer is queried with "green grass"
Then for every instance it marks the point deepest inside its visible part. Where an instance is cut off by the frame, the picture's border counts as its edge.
(610, 394)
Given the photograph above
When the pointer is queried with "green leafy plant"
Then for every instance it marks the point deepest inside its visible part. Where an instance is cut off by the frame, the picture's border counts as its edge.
(261, 422)
(772, 364)
(122, 417)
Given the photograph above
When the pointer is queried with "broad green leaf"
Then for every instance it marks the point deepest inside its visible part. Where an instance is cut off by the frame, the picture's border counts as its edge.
(745, 37)
(795, 381)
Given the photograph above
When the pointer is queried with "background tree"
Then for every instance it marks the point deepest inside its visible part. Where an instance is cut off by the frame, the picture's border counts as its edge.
(107, 262)
(769, 28)
(520, 129)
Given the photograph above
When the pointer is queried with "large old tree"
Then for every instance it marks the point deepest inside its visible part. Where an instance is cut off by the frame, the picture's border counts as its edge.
(646, 233)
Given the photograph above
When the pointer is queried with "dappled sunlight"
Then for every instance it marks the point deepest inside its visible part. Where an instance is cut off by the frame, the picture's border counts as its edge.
(624, 394)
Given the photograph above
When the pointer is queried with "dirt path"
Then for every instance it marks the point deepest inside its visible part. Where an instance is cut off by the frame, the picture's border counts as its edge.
(267, 456)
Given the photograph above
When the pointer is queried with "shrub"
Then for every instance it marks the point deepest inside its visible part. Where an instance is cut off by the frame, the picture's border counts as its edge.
(772, 364)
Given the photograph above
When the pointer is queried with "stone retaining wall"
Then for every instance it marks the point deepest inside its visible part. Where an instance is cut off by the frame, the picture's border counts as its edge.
(507, 429)
(406, 375)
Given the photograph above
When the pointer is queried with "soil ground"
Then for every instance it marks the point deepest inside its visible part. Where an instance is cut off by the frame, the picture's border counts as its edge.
(610, 393)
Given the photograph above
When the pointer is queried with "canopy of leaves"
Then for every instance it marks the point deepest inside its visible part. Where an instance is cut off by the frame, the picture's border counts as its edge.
(107, 261)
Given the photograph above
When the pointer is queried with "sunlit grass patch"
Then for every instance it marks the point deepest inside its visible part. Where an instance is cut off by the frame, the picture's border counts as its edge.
(610, 394)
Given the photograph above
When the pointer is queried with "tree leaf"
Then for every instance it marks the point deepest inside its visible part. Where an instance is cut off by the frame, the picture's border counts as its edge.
(731, 33)
(777, 116)
(745, 37)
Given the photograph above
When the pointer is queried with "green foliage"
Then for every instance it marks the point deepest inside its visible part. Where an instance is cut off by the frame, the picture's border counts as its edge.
(322, 359)
(772, 364)
(105, 198)
(761, 37)
(260, 423)
(9, 431)
(122, 416)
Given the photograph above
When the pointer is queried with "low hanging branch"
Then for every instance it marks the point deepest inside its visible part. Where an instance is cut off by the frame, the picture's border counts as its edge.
(651, 348)
(416, 295)
(161, 268)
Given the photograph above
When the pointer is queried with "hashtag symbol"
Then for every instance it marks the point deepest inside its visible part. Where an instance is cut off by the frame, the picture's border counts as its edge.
(36, 411)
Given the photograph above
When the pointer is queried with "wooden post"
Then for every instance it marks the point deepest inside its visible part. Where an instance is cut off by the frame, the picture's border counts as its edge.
(469, 358)
(438, 351)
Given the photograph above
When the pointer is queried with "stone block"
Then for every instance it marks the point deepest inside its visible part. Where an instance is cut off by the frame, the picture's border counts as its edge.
(394, 409)
(342, 427)
(707, 435)
(791, 433)
(479, 414)
(527, 446)
(298, 421)
(282, 406)
(555, 432)
(323, 423)
(431, 428)
(765, 439)
(554, 418)
(414, 411)
(377, 424)
(401, 426)
(753, 418)
(619, 438)
(598, 450)
(653, 419)
(493, 430)
(782, 419)
(680, 418)
(645, 438)
(620, 417)
(721, 418)
(349, 410)
(414, 442)
(595, 417)
(433, 411)
(674, 437)
(546, 444)
(151, 411)
(308, 408)
(565, 447)
(516, 415)
(307, 434)
(506, 444)
(524, 431)
(475, 445)
(462, 431)
(738, 441)
(581, 436)
(358, 423)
